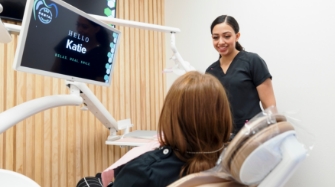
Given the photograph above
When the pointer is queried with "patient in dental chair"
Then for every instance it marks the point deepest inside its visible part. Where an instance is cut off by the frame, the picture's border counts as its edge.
(193, 129)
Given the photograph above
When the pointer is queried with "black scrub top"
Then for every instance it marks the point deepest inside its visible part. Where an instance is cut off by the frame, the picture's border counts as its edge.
(246, 72)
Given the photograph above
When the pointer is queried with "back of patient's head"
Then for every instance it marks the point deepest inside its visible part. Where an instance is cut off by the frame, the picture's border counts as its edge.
(195, 118)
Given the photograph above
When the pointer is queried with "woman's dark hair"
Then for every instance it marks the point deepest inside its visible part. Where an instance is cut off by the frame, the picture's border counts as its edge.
(230, 21)
(102, 35)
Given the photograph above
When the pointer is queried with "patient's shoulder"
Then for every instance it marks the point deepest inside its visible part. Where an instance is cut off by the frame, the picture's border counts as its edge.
(159, 167)
(160, 157)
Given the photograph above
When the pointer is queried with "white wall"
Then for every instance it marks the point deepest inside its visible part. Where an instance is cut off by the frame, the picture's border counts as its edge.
(297, 40)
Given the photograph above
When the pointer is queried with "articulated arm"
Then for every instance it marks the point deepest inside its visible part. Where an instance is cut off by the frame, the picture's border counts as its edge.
(22, 111)
(177, 57)
(94, 105)
(181, 67)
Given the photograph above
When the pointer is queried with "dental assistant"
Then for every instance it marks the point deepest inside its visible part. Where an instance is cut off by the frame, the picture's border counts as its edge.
(244, 75)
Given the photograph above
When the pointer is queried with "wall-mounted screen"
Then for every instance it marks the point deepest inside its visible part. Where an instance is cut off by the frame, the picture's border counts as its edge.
(14, 9)
(62, 41)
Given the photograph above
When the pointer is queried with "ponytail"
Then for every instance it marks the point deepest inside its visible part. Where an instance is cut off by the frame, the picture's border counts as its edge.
(199, 162)
(239, 47)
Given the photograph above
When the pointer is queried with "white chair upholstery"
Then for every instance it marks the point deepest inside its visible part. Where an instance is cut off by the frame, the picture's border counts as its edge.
(12, 179)
(262, 154)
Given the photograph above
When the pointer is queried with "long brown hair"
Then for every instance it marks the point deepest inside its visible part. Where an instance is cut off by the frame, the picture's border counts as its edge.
(195, 118)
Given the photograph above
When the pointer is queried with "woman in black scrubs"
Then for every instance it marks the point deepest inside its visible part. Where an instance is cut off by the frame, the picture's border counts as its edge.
(244, 75)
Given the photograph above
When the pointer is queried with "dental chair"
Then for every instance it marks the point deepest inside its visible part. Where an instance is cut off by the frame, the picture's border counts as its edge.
(265, 153)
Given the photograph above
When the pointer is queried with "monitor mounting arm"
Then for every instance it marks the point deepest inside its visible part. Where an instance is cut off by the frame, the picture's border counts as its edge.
(92, 103)
(186, 66)
(22, 111)
(183, 65)
(79, 94)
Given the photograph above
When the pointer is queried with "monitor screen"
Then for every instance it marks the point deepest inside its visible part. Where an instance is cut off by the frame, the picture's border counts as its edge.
(62, 41)
(14, 9)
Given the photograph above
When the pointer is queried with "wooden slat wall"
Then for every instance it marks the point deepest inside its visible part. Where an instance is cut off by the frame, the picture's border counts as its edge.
(59, 146)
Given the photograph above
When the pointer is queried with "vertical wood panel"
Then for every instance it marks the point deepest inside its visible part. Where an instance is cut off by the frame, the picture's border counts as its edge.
(47, 137)
(63, 140)
(38, 137)
(20, 128)
(127, 62)
(104, 134)
(78, 165)
(30, 133)
(132, 63)
(84, 139)
(151, 72)
(161, 53)
(70, 134)
(162, 14)
(3, 75)
(142, 66)
(10, 102)
(147, 66)
(98, 134)
(55, 138)
(59, 146)
(90, 139)
(137, 91)
(156, 66)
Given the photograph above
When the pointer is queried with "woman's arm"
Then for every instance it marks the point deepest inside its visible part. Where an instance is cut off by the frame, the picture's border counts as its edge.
(266, 94)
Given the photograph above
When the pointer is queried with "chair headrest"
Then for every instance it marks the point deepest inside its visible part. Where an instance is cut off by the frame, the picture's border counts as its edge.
(249, 138)
(260, 138)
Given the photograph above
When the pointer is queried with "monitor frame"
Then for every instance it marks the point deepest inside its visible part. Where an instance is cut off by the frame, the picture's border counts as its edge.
(23, 36)
(18, 16)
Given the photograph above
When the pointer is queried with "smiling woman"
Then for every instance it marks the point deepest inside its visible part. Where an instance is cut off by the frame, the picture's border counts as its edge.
(244, 75)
